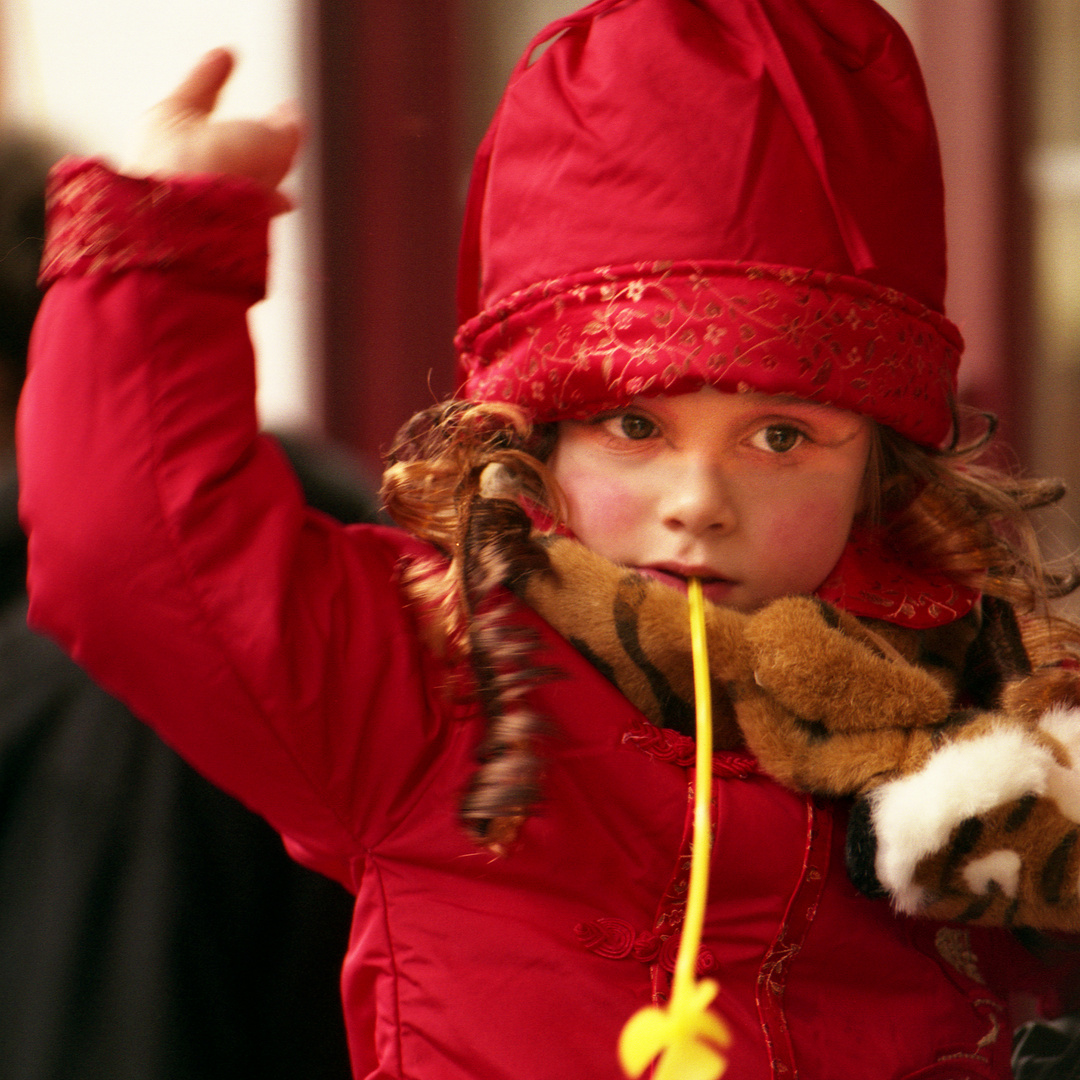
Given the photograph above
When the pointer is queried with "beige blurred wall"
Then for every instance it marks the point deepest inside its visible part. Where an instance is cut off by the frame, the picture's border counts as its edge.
(84, 73)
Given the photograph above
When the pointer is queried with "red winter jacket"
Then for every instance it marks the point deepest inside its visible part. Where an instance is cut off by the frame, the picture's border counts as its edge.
(173, 555)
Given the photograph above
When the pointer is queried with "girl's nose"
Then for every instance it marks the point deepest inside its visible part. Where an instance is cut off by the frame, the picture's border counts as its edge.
(699, 500)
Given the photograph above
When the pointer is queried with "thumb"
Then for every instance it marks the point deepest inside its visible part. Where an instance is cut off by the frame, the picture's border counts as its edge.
(197, 95)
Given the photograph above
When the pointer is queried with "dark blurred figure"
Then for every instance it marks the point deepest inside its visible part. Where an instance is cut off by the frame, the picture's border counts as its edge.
(151, 928)
(1048, 1050)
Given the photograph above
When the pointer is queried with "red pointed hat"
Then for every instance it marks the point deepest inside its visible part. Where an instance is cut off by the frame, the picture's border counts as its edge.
(743, 193)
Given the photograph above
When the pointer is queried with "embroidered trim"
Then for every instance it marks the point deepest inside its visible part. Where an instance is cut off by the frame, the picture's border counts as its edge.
(954, 945)
(563, 348)
(871, 581)
(674, 748)
(616, 939)
(801, 909)
(101, 222)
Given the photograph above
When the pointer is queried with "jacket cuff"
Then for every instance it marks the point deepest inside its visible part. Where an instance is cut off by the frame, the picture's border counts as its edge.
(212, 227)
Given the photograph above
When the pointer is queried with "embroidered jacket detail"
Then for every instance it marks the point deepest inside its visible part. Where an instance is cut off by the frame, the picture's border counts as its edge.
(103, 223)
(953, 946)
(795, 925)
(674, 748)
(616, 939)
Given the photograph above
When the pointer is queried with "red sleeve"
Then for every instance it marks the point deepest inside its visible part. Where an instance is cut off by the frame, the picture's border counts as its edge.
(170, 548)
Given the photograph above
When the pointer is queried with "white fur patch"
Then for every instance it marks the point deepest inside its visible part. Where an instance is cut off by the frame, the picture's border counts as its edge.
(1064, 783)
(1001, 866)
(496, 482)
(914, 815)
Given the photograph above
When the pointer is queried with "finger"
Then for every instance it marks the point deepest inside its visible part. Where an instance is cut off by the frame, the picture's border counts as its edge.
(288, 122)
(199, 91)
(286, 116)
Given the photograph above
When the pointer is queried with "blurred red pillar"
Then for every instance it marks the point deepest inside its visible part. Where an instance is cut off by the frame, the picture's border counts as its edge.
(971, 52)
(387, 86)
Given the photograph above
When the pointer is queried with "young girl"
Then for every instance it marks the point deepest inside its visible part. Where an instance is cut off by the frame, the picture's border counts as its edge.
(751, 390)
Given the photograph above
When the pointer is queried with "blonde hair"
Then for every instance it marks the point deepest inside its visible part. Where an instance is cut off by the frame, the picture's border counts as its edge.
(955, 512)
(455, 477)
(435, 473)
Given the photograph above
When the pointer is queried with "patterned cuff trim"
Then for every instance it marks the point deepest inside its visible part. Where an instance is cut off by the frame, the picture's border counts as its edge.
(101, 222)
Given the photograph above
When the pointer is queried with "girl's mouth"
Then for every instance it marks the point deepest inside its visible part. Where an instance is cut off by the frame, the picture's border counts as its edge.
(715, 589)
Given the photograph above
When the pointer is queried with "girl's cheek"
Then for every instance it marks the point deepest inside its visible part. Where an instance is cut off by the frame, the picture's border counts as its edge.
(814, 526)
(803, 517)
(600, 505)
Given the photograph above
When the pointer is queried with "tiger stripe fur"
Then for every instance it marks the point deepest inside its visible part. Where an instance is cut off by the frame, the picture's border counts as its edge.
(960, 758)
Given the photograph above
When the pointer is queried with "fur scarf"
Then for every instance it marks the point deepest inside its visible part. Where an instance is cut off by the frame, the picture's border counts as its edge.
(963, 763)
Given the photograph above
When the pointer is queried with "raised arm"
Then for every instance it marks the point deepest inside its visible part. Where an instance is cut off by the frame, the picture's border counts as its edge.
(171, 551)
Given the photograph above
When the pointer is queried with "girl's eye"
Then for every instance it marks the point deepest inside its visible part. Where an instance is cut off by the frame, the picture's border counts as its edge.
(778, 438)
(633, 426)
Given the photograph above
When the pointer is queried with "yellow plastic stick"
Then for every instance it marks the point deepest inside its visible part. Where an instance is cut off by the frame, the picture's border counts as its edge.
(686, 1036)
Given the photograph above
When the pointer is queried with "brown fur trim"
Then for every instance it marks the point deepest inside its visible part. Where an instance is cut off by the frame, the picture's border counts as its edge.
(825, 703)
(827, 668)
(1030, 833)
(828, 704)
(637, 632)
(1042, 691)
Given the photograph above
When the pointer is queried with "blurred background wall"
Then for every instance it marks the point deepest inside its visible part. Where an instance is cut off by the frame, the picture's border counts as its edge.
(83, 74)
(357, 333)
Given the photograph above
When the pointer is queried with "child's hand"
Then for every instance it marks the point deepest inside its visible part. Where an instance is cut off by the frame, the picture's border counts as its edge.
(181, 137)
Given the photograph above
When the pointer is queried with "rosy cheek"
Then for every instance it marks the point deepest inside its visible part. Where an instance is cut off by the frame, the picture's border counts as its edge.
(795, 519)
(817, 529)
(599, 508)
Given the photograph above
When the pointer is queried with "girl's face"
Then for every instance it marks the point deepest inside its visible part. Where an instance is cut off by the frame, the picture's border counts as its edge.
(752, 493)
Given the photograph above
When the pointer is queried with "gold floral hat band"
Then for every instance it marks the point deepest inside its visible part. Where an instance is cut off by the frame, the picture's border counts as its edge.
(571, 346)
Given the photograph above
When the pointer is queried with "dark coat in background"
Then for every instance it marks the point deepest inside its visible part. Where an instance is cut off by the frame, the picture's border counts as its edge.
(151, 927)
